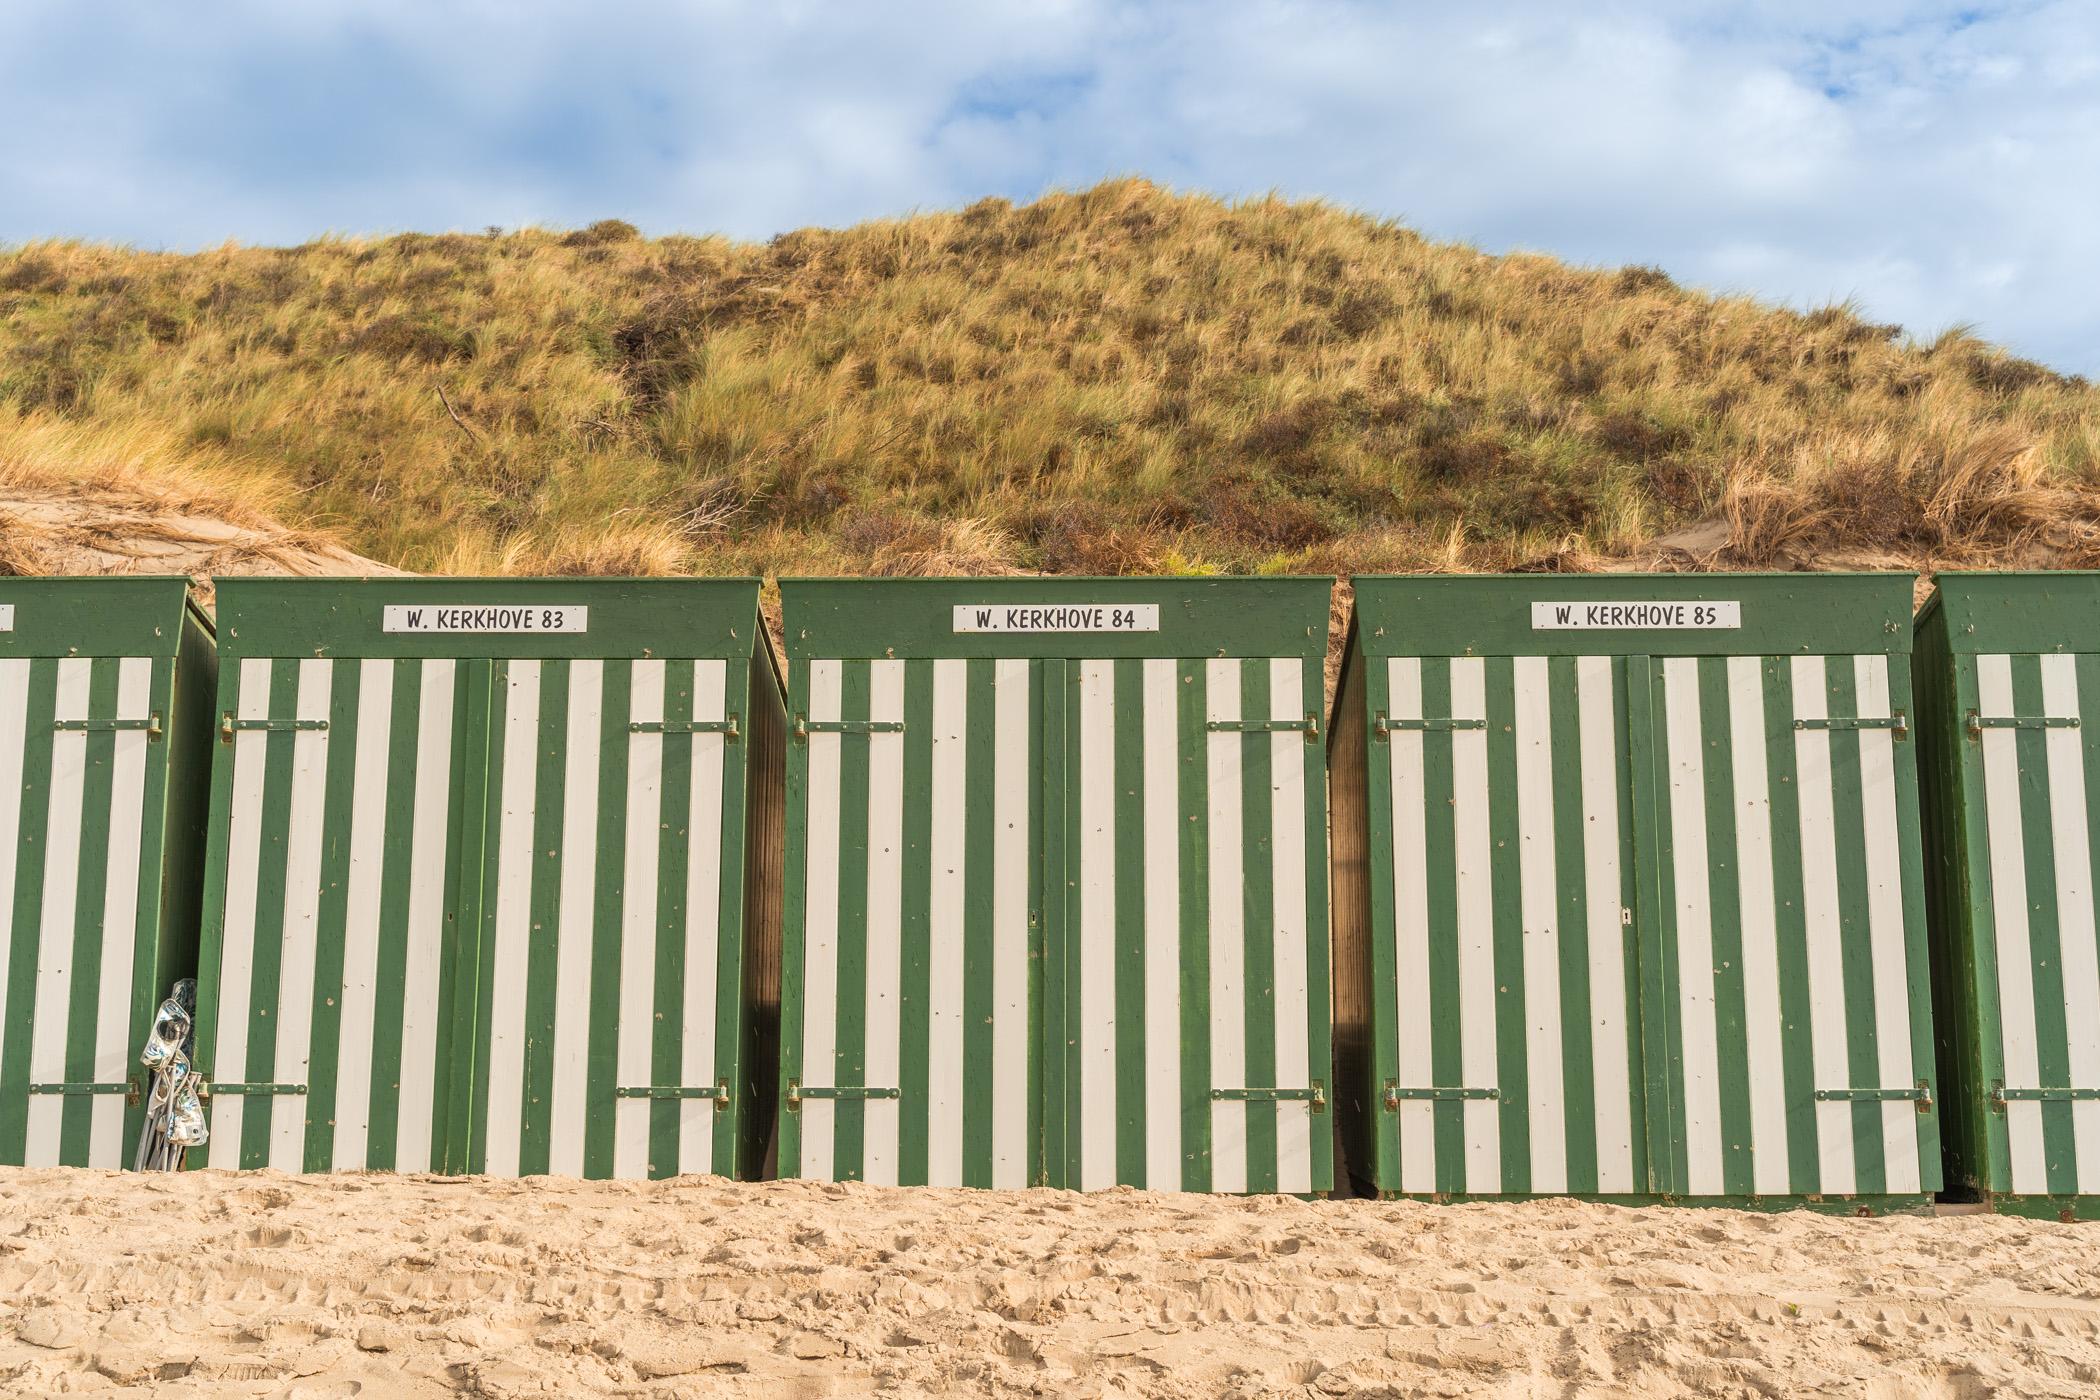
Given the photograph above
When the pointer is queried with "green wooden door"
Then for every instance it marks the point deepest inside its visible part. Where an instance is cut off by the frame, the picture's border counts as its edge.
(1785, 979)
(912, 976)
(1191, 942)
(331, 970)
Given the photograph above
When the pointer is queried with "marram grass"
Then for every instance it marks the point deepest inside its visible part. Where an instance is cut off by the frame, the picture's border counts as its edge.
(1118, 380)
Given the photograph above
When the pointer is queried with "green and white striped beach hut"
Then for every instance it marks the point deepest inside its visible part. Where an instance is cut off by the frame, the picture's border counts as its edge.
(2009, 698)
(1628, 891)
(491, 883)
(1056, 884)
(105, 705)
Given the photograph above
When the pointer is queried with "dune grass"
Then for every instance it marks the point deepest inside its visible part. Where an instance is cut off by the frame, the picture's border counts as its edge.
(1117, 380)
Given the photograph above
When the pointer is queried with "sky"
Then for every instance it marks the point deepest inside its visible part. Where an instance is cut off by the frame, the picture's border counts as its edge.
(1937, 163)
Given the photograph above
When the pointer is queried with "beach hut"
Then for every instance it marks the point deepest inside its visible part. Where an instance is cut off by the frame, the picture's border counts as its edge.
(491, 876)
(2009, 704)
(105, 702)
(1056, 899)
(1628, 899)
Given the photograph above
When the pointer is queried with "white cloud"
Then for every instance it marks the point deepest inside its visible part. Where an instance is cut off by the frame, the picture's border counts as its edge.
(1936, 161)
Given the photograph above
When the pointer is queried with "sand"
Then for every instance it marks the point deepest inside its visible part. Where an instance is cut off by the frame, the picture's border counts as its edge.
(214, 1284)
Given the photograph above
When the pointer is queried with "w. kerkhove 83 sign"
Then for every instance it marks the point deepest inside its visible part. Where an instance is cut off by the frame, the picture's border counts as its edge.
(485, 617)
(1636, 617)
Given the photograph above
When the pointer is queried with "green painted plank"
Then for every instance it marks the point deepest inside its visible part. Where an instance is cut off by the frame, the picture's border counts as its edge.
(674, 837)
(602, 1045)
(1570, 867)
(794, 952)
(1635, 894)
(1127, 701)
(1382, 934)
(469, 812)
(1863, 1059)
(915, 927)
(32, 837)
(1512, 1043)
(1319, 996)
(1797, 1040)
(730, 1030)
(91, 891)
(1258, 864)
(390, 970)
(1446, 1057)
(550, 805)
(850, 1057)
(325, 1017)
(1654, 921)
(1192, 706)
(1724, 892)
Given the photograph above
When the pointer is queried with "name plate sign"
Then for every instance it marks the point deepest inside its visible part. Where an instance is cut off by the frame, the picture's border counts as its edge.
(1057, 617)
(1636, 617)
(485, 617)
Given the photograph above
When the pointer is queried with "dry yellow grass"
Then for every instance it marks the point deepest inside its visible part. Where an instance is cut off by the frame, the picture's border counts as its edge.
(1116, 380)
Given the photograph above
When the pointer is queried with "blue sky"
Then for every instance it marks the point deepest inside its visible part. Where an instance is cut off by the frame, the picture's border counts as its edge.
(1938, 162)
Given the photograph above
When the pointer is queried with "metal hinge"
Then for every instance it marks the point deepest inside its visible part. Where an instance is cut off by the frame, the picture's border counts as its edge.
(229, 726)
(1395, 1093)
(2001, 1096)
(151, 724)
(1895, 722)
(797, 1091)
(1382, 726)
(129, 1089)
(1315, 1094)
(719, 1092)
(1977, 723)
(692, 726)
(208, 1090)
(1310, 725)
(806, 727)
(1921, 1095)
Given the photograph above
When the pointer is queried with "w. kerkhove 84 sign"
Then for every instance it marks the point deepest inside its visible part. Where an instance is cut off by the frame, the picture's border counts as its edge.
(1636, 617)
(1057, 617)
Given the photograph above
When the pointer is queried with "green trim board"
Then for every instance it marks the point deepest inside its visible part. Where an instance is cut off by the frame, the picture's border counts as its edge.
(492, 910)
(1638, 917)
(2010, 671)
(1056, 901)
(101, 794)
(1634, 614)
(600, 619)
(1074, 618)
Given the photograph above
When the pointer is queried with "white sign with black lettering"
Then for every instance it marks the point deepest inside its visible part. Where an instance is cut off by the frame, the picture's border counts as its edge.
(485, 617)
(1057, 617)
(1636, 617)
(7, 617)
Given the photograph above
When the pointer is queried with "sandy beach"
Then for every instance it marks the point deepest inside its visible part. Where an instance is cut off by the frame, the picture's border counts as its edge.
(214, 1284)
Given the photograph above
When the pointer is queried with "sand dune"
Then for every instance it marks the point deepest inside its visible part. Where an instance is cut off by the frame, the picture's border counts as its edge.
(211, 1284)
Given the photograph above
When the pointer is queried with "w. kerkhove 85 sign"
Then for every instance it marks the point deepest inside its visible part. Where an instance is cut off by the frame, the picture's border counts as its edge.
(1636, 617)
(1057, 617)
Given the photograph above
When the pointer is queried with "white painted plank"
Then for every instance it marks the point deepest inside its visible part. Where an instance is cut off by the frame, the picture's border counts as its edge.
(698, 1121)
(1764, 1025)
(1012, 851)
(365, 877)
(1473, 849)
(54, 963)
(948, 882)
(236, 972)
(1838, 1170)
(1699, 1039)
(820, 925)
(1228, 951)
(633, 1062)
(513, 934)
(429, 932)
(1096, 1032)
(299, 938)
(1416, 1009)
(1539, 902)
(114, 1050)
